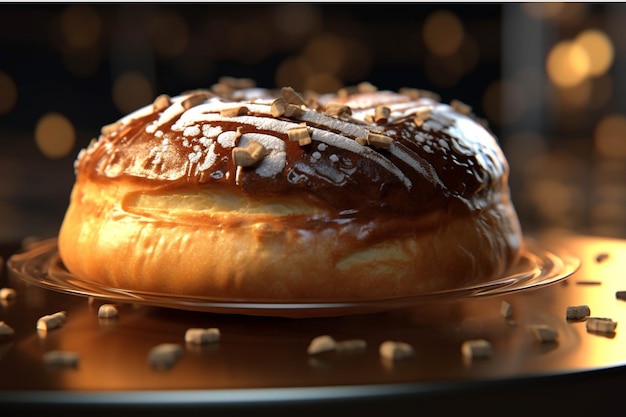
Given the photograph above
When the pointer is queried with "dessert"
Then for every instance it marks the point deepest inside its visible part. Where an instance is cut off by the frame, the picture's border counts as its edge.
(242, 193)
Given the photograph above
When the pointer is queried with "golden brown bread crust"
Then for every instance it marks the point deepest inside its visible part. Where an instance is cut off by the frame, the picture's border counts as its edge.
(391, 196)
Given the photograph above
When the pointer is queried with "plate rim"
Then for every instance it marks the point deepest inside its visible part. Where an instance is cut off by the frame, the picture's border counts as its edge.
(561, 265)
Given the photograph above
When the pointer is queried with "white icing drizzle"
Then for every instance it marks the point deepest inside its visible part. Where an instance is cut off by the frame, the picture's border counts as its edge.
(167, 116)
(227, 139)
(275, 160)
(348, 129)
(334, 139)
(191, 131)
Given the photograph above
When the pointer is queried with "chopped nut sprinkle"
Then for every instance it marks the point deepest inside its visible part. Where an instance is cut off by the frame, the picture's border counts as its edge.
(253, 153)
(293, 111)
(361, 88)
(161, 102)
(110, 128)
(338, 110)
(376, 140)
(461, 107)
(416, 93)
(577, 312)
(234, 111)
(421, 116)
(366, 87)
(194, 100)
(381, 114)
(299, 134)
(292, 96)
(222, 89)
(361, 141)
(413, 93)
(238, 135)
(278, 107)
(237, 83)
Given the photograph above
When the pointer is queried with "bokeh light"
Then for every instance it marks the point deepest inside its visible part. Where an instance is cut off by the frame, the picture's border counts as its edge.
(326, 53)
(81, 26)
(293, 72)
(572, 63)
(601, 92)
(82, 62)
(539, 10)
(496, 95)
(323, 83)
(296, 20)
(567, 64)
(132, 90)
(443, 33)
(170, 34)
(8, 93)
(55, 135)
(523, 147)
(576, 96)
(610, 136)
(599, 49)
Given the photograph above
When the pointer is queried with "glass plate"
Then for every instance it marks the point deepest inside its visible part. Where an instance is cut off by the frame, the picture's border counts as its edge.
(41, 266)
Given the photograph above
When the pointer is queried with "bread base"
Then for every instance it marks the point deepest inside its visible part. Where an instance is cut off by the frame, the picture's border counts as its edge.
(188, 245)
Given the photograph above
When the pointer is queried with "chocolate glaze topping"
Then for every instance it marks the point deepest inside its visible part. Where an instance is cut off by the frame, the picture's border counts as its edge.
(421, 155)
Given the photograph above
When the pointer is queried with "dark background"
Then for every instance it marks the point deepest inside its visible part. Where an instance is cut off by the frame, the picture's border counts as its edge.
(89, 64)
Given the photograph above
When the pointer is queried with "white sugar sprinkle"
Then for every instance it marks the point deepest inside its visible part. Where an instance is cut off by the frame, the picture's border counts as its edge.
(191, 131)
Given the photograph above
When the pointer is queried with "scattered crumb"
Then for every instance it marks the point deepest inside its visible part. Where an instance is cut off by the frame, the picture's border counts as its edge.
(52, 321)
(577, 312)
(108, 311)
(165, 355)
(351, 346)
(506, 309)
(601, 325)
(198, 336)
(393, 350)
(7, 293)
(6, 332)
(601, 257)
(61, 358)
(543, 333)
(478, 348)
(321, 344)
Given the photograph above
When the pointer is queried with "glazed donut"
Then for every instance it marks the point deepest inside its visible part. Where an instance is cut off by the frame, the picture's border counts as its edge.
(254, 194)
